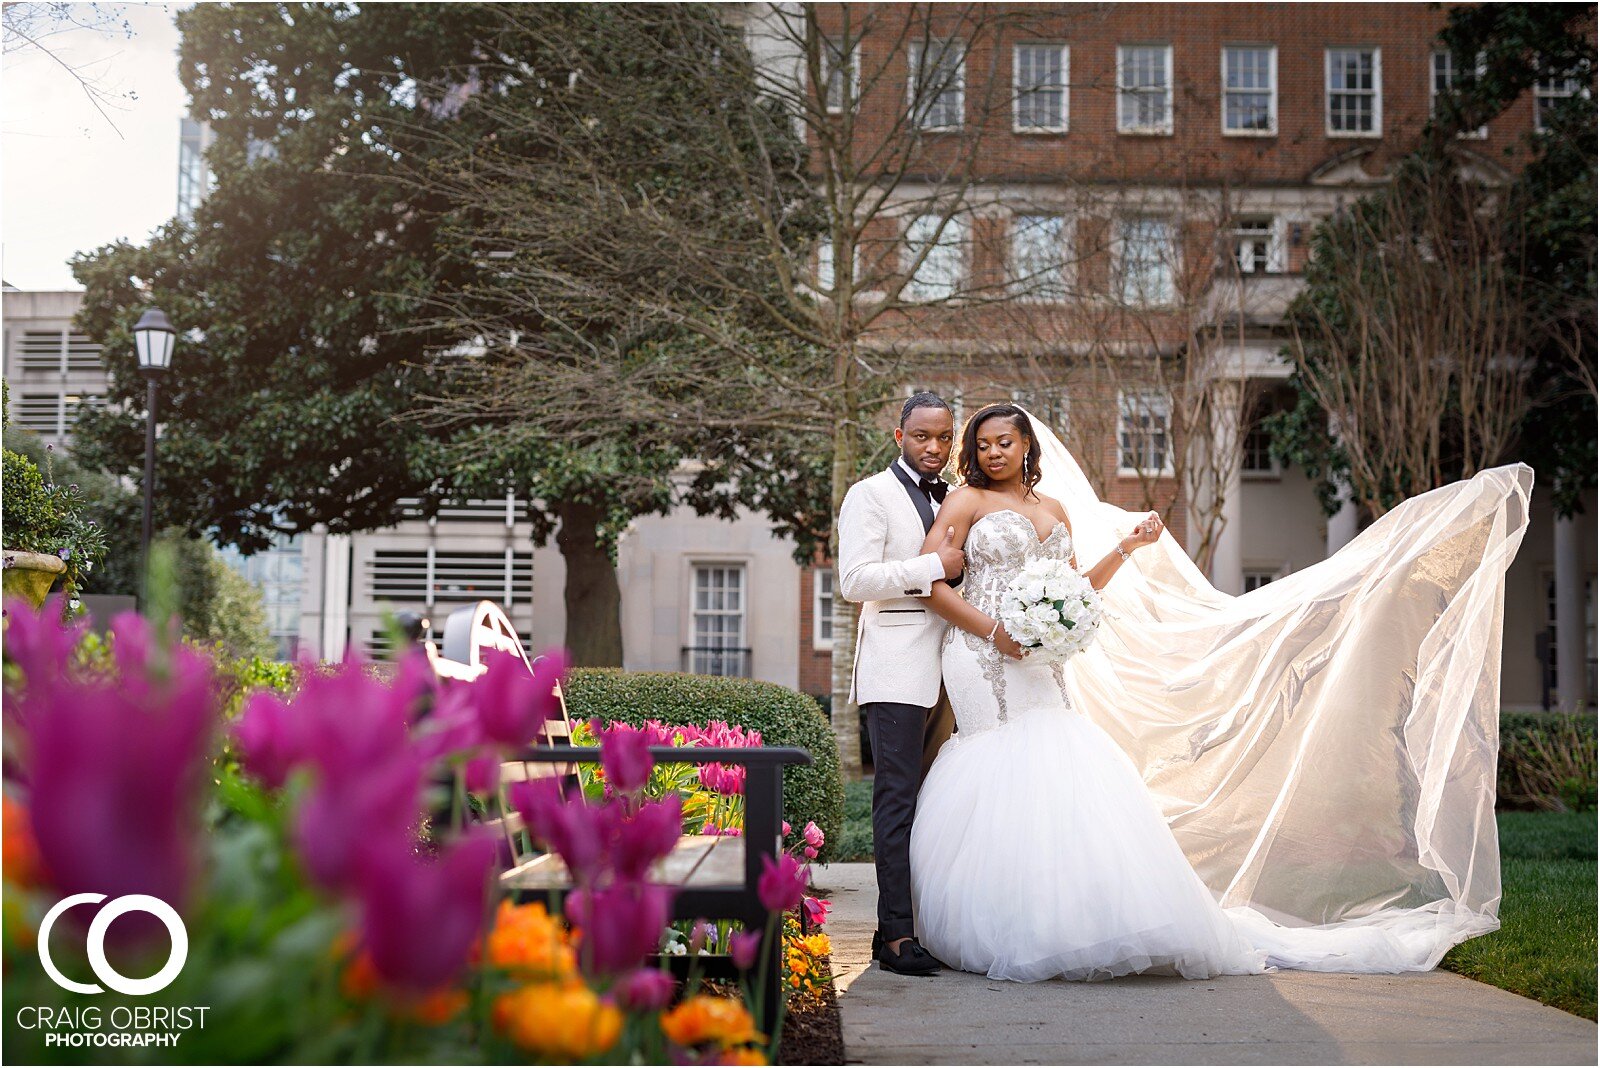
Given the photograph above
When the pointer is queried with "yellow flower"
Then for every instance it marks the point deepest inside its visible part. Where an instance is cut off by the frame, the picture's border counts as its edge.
(562, 1021)
(703, 1019)
(817, 945)
(743, 1055)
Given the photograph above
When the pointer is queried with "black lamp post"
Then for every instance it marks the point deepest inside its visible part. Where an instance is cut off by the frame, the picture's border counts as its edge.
(153, 339)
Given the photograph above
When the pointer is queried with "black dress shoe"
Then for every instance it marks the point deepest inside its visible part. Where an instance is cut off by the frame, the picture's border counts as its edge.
(912, 959)
(877, 944)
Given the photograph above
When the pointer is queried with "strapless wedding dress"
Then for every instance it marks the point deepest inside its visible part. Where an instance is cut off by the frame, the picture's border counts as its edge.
(1038, 852)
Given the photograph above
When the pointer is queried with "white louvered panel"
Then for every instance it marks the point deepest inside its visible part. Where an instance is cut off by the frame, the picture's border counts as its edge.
(490, 510)
(40, 350)
(430, 576)
(38, 411)
(83, 354)
(398, 575)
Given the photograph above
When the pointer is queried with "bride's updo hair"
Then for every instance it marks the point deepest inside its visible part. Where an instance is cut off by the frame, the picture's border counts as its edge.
(972, 472)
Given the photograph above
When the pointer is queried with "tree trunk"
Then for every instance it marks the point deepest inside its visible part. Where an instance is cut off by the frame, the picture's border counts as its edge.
(846, 718)
(593, 597)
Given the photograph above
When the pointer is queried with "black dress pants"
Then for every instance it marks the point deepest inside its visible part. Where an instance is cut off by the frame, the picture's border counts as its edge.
(897, 734)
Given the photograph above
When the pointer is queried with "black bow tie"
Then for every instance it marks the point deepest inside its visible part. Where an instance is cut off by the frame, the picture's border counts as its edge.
(934, 487)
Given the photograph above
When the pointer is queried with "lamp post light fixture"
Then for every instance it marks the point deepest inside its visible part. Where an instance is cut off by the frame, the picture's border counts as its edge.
(153, 340)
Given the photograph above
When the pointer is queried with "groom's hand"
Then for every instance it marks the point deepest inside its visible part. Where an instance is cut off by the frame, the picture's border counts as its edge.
(1007, 645)
(953, 559)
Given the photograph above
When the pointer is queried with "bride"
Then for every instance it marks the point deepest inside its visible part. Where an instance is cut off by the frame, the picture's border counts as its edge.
(1298, 777)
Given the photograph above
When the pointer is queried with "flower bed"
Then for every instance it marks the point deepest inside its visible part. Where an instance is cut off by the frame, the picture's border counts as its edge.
(339, 901)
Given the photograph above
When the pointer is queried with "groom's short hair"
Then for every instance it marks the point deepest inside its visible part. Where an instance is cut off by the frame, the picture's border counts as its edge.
(922, 400)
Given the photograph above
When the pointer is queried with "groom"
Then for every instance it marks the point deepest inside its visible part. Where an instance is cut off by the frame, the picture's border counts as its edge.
(896, 678)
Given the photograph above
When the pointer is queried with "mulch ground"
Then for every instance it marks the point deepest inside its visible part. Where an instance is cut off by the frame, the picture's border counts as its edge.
(811, 1030)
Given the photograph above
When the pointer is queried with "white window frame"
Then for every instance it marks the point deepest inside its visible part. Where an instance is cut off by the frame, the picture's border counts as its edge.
(1029, 290)
(1377, 92)
(1543, 90)
(819, 643)
(1272, 90)
(1265, 576)
(1277, 245)
(1017, 126)
(831, 47)
(741, 637)
(1433, 90)
(1273, 470)
(958, 85)
(1163, 129)
(824, 271)
(954, 235)
(1150, 400)
(1169, 296)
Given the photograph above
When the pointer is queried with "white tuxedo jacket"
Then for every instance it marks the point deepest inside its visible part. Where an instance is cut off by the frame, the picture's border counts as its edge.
(881, 566)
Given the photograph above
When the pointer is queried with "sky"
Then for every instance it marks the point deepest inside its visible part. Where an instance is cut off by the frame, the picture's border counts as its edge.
(70, 180)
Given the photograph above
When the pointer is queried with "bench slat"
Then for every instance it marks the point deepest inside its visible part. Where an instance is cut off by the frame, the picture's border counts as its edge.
(697, 860)
(723, 865)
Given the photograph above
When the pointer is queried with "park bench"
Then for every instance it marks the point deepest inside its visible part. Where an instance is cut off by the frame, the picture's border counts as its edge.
(715, 876)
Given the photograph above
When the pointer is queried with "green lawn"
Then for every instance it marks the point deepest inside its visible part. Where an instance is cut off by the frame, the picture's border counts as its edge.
(1545, 948)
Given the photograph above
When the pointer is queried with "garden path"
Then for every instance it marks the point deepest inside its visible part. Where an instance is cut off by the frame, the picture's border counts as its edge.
(1285, 1018)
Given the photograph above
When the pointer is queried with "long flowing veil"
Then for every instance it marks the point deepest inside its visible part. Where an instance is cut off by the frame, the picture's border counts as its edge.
(1323, 747)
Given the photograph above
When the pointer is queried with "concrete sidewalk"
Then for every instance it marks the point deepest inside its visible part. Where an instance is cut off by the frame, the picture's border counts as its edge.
(1285, 1018)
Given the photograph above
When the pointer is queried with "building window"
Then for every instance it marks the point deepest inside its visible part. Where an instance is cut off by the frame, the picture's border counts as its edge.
(941, 272)
(1588, 637)
(1548, 93)
(1049, 404)
(717, 621)
(1038, 257)
(1355, 92)
(1146, 254)
(276, 572)
(1444, 77)
(57, 352)
(1250, 90)
(1256, 245)
(1144, 89)
(822, 609)
(1258, 461)
(1039, 77)
(839, 75)
(1143, 420)
(937, 84)
(1254, 580)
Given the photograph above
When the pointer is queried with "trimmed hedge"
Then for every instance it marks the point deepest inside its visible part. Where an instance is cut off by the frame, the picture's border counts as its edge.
(783, 716)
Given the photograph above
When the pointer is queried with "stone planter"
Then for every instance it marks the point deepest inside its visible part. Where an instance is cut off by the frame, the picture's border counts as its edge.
(30, 575)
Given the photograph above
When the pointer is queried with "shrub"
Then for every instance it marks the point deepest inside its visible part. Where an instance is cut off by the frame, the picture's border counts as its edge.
(1547, 761)
(783, 716)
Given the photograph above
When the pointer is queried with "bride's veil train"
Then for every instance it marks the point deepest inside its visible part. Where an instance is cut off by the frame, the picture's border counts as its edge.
(1323, 747)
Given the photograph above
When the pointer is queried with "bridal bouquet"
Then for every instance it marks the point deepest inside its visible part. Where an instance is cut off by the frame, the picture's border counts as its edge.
(1051, 609)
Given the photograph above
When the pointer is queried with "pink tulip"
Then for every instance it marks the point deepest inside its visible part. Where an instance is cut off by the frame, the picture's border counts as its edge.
(787, 830)
(646, 837)
(421, 916)
(619, 925)
(816, 909)
(513, 705)
(813, 835)
(744, 948)
(722, 832)
(810, 852)
(782, 884)
(645, 990)
(343, 819)
(725, 779)
(270, 738)
(579, 832)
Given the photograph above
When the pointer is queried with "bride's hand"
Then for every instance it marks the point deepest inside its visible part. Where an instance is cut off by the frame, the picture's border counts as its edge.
(1146, 532)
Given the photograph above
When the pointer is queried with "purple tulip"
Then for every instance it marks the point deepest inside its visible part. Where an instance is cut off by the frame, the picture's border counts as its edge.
(648, 836)
(270, 738)
(115, 767)
(579, 832)
(422, 915)
(645, 990)
(511, 704)
(725, 779)
(625, 756)
(619, 925)
(712, 830)
(345, 819)
(744, 948)
(783, 884)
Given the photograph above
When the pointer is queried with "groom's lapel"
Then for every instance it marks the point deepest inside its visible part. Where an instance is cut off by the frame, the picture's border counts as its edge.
(918, 498)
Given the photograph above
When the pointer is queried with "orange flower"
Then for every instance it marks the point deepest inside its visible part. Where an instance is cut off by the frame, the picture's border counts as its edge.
(702, 1019)
(527, 940)
(19, 853)
(743, 1055)
(817, 945)
(561, 1021)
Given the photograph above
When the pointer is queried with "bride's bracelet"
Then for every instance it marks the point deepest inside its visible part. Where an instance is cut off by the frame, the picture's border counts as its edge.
(993, 631)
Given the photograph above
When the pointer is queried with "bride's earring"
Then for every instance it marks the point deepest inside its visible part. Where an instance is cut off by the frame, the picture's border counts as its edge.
(1024, 468)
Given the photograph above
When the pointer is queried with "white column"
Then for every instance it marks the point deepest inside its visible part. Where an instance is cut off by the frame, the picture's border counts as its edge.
(1344, 524)
(335, 596)
(1571, 651)
(1227, 559)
